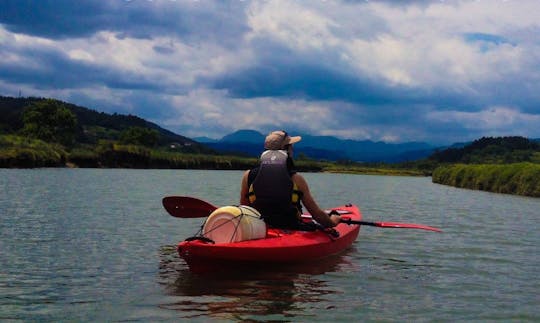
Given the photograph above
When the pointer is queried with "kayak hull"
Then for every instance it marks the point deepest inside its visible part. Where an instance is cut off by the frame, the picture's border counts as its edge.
(279, 247)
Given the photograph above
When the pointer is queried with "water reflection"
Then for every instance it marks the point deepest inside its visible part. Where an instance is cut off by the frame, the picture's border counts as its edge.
(270, 291)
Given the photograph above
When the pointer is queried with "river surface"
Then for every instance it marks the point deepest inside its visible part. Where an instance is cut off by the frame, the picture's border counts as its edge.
(96, 245)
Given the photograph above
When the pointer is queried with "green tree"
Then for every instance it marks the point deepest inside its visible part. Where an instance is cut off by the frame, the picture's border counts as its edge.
(139, 136)
(49, 120)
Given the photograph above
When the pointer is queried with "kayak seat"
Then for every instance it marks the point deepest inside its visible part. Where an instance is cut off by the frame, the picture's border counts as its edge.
(200, 238)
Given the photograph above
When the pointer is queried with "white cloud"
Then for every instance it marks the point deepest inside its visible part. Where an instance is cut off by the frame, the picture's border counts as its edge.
(300, 27)
(425, 47)
(213, 113)
(80, 54)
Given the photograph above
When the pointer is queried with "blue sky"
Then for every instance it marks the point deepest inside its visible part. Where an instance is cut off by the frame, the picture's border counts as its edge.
(428, 70)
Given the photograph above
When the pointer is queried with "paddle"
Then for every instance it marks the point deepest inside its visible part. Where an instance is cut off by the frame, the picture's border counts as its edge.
(396, 225)
(187, 207)
(191, 207)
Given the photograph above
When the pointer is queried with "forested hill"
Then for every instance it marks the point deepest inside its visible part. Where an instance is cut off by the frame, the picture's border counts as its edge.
(492, 150)
(92, 125)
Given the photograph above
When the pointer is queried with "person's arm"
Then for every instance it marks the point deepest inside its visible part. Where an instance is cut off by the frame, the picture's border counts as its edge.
(316, 212)
(244, 189)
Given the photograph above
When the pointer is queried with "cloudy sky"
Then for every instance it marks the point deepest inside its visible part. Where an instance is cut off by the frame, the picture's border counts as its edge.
(438, 71)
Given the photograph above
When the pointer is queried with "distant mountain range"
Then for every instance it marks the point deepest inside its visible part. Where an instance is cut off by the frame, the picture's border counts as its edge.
(250, 142)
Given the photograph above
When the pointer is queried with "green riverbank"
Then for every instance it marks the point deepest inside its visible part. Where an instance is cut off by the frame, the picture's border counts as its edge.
(516, 178)
(23, 152)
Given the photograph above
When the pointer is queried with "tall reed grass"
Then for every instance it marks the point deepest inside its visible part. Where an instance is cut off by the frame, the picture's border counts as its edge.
(518, 178)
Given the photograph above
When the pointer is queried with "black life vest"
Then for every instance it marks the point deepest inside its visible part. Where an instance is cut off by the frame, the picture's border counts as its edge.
(273, 192)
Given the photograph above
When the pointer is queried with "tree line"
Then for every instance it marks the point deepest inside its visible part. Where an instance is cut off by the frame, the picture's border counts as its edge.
(490, 150)
(51, 121)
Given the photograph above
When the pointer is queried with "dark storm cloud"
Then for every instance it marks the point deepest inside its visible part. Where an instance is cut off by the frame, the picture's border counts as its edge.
(58, 18)
(283, 74)
(61, 19)
(300, 80)
(52, 69)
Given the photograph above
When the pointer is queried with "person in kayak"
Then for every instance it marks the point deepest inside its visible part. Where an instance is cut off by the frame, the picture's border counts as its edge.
(277, 191)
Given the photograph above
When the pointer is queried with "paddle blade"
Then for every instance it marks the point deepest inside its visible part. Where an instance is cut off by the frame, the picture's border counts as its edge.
(396, 225)
(406, 226)
(187, 207)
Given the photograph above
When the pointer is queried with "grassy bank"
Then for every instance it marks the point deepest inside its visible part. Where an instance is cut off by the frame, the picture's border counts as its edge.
(22, 152)
(131, 156)
(518, 178)
(378, 170)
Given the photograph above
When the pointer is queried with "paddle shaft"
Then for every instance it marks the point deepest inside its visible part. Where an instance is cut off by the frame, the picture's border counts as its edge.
(395, 225)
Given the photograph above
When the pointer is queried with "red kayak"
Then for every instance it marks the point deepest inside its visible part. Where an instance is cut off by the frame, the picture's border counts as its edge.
(277, 247)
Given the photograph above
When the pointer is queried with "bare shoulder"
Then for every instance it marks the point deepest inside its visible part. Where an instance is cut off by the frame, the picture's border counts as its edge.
(245, 177)
(297, 176)
(300, 181)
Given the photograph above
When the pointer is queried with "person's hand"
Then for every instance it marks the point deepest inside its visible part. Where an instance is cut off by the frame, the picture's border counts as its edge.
(335, 218)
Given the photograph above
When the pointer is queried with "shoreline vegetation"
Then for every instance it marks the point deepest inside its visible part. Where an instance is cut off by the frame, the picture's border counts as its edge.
(517, 178)
(522, 178)
(38, 132)
(23, 152)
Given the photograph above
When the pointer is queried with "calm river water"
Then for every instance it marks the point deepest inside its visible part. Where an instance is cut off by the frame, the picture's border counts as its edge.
(96, 245)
